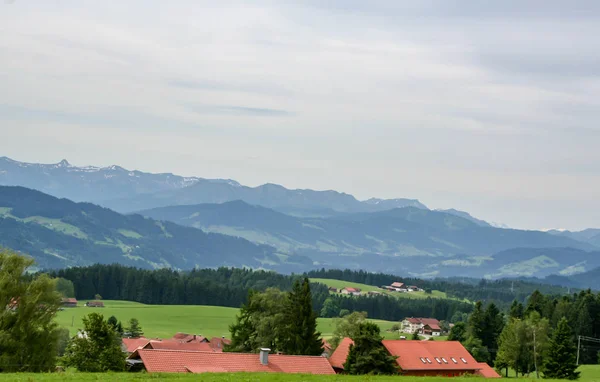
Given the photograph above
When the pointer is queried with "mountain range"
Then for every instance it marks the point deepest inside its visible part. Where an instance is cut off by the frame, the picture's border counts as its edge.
(405, 240)
(192, 221)
(129, 191)
(60, 233)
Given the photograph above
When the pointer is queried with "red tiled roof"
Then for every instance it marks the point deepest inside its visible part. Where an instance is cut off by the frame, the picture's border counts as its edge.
(413, 320)
(433, 327)
(176, 345)
(326, 345)
(69, 300)
(339, 356)
(409, 355)
(185, 337)
(486, 371)
(397, 284)
(175, 361)
(131, 344)
(352, 290)
(218, 343)
(429, 321)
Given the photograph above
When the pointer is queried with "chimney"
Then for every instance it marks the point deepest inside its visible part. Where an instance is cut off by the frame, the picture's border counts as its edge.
(264, 356)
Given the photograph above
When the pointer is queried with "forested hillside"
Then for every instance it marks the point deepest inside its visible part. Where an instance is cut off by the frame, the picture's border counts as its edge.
(58, 233)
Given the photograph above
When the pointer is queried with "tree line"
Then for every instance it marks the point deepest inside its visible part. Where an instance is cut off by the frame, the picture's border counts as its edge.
(230, 287)
(536, 337)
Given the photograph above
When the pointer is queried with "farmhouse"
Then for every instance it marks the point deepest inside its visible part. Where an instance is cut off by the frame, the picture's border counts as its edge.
(412, 324)
(350, 291)
(69, 302)
(423, 358)
(432, 330)
(178, 361)
(397, 285)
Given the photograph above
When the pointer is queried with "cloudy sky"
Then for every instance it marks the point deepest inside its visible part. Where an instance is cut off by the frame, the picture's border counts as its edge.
(488, 107)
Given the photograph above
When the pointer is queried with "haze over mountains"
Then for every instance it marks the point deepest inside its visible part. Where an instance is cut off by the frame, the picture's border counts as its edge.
(128, 191)
(192, 221)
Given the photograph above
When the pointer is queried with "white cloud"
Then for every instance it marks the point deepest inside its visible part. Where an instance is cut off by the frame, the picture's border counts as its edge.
(490, 109)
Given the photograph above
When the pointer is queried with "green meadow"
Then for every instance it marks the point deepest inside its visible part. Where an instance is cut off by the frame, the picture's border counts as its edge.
(588, 374)
(162, 321)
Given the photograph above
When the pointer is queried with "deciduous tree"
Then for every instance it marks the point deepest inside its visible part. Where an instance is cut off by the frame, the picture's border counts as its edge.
(28, 332)
(97, 347)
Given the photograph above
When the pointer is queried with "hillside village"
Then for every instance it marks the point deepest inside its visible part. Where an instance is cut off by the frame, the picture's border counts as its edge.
(394, 287)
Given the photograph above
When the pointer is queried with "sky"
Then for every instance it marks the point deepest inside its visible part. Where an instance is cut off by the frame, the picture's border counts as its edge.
(488, 107)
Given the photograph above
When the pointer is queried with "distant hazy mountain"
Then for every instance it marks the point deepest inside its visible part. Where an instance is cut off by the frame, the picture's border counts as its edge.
(129, 191)
(406, 240)
(59, 233)
(590, 235)
(86, 183)
(467, 216)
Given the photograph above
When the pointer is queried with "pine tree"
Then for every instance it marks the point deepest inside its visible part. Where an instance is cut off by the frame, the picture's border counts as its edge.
(477, 321)
(415, 336)
(368, 355)
(134, 329)
(561, 358)
(492, 327)
(301, 336)
(516, 310)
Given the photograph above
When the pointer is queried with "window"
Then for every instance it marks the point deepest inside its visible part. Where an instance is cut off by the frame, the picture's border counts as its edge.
(454, 360)
(444, 360)
(438, 360)
(428, 360)
(464, 360)
(423, 360)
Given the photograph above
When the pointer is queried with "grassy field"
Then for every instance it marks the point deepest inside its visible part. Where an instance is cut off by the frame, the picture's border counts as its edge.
(588, 374)
(162, 321)
(339, 284)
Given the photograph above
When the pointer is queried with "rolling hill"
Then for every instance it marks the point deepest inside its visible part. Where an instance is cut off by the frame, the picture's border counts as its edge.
(59, 233)
(405, 241)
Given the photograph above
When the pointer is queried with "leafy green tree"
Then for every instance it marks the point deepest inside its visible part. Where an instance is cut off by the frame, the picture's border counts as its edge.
(63, 340)
(260, 323)
(65, 287)
(97, 297)
(330, 308)
(477, 349)
(28, 331)
(97, 348)
(458, 332)
(344, 312)
(368, 355)
(134, 329)
(346, 327)
(301, 336)
(561, 357)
